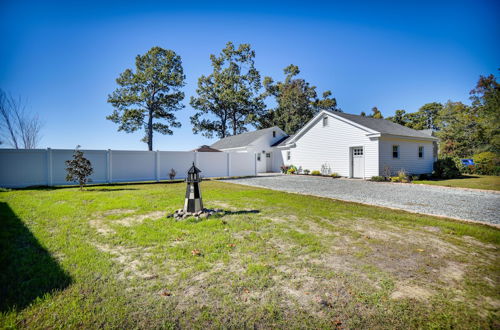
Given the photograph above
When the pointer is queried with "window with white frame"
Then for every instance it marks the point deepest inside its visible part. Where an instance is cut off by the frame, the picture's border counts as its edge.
(420, 152)
(395, 151)
(288, 155)
(325, 121)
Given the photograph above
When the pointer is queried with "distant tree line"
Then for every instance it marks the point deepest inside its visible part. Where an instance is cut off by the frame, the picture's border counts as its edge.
(228, 99)
(463, 130)
(233, 96)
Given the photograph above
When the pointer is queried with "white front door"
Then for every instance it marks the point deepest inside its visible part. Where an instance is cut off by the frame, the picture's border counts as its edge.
(358, 162)
(269, 163)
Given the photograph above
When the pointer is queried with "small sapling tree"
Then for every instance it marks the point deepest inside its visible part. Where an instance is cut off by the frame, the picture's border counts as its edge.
(172, 174)
(79, 168)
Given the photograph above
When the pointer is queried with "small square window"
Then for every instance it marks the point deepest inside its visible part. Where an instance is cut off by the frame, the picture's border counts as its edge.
(420, 152)
(268, 155)
(395, 151)
(325, 121)
(288, 155)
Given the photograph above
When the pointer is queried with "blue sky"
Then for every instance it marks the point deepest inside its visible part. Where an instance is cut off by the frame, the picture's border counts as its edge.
(64, 59)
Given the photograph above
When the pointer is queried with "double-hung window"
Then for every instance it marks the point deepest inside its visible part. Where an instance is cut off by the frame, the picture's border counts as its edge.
(420, 152)
(395, 151)
(288, 155)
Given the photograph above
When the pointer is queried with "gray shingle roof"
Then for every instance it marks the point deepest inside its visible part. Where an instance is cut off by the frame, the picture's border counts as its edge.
(283, 141)
(241, 140)
(383, 126)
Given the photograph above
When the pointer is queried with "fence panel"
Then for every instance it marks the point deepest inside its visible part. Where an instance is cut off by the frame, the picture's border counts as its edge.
(180, 161)
(132, 166)
(242, 164)
(212, 164)
(23, 168)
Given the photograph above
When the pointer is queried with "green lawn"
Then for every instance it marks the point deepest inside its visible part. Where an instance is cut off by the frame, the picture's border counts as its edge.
(468, 181)
(108, 258)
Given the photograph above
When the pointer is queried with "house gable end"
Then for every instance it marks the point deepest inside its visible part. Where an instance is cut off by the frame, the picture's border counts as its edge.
(319, 116)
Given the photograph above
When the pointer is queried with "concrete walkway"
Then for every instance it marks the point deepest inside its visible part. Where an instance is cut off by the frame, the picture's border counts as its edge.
(462, 204)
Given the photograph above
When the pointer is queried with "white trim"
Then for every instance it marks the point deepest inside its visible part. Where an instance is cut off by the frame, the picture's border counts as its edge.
(405, 137)
(222, 149)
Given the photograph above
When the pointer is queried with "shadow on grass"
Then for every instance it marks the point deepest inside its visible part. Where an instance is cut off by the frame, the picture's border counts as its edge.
(108, 190)
(221, 214)
(27, 270)
(239, 212)
(457, 178)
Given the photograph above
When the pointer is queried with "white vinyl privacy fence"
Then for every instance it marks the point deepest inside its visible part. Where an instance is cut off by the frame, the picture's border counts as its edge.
(23, 168)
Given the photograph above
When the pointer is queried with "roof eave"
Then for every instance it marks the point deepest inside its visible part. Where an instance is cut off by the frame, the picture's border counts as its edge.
(288, 145)
(427, 138)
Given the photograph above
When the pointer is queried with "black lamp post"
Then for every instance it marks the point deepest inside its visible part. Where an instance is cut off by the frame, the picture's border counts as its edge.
(193, 202)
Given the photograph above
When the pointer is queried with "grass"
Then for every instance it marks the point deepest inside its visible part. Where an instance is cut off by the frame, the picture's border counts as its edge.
(107, 257)
(467, 181)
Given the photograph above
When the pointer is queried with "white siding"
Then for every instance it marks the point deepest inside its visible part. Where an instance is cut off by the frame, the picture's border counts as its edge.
(331, 145)
(261, 144)
(408, 156)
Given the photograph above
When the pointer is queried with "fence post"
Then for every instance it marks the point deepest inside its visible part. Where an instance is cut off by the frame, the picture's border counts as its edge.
(255, 163)
(157, 164)
(109, 163)
(49, 167)
(228, 164)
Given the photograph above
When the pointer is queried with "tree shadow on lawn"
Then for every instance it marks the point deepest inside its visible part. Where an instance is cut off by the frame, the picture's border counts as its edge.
(27, 270)
(457, 178)
(224, 213)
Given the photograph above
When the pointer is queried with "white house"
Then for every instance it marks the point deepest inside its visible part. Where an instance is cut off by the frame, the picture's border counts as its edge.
(260, 142)
(335, 142)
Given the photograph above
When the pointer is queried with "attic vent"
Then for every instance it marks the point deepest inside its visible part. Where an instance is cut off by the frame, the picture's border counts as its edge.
(325, 121)
(274, 133)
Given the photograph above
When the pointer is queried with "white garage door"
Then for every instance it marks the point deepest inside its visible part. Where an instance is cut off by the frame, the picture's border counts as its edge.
(358, 162)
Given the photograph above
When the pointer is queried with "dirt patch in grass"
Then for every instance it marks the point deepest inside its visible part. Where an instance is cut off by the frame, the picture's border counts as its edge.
(223, 205)
(132, 265)
(137, 219)
(101, 227)
(117, 212)
(453, 272)
(404, 291)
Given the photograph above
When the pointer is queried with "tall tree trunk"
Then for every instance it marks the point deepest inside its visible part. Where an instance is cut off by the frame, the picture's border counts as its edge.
(150, 130)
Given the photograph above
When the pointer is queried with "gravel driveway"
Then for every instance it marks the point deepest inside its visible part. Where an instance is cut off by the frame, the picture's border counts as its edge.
(450, 202)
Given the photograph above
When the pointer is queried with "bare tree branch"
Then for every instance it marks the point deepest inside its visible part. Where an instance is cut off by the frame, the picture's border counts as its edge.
(18, 127)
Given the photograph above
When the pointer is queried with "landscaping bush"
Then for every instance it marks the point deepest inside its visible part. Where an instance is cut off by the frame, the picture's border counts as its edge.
(306, 172)
(284, 169)
(395, 179)
(292, 169)
(422, 177)
(316, 172)
(387, 172)
(487, 163)
(445, 168)
(335, 175)
(378, 178)
(403, 176)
